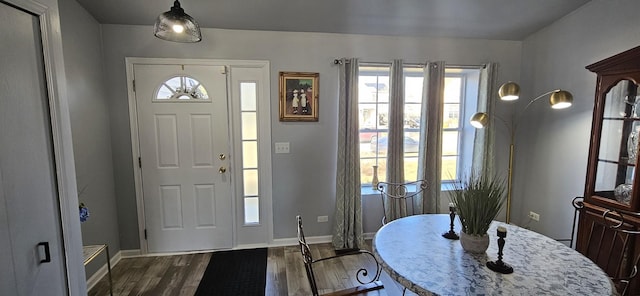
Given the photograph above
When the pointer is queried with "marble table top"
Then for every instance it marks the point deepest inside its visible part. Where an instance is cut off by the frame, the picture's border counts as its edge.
(414, 253)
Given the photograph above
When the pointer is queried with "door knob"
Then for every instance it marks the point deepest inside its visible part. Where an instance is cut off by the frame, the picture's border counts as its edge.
(222, 170)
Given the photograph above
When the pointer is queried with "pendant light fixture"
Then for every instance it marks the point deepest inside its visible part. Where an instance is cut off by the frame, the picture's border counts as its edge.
(177, 26)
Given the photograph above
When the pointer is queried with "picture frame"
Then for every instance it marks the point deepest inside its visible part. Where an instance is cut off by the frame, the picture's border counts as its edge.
(299, 96)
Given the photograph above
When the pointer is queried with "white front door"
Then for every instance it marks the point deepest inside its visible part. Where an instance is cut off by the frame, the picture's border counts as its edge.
(183, 133)
(31, 251)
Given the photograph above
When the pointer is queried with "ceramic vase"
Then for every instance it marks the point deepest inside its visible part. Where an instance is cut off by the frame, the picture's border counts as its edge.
(476, 244)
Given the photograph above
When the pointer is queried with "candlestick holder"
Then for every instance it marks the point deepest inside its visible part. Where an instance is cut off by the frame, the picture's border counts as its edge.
(499, 265)
(452, 215)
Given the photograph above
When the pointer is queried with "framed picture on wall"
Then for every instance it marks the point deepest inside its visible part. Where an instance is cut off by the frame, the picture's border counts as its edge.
(298, 96)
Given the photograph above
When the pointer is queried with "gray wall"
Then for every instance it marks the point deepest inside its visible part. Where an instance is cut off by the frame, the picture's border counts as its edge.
(90, 129)
(553, 145)
(304, 180)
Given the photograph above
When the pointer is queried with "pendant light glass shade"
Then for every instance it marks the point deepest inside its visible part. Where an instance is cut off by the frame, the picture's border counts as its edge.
(177, 26)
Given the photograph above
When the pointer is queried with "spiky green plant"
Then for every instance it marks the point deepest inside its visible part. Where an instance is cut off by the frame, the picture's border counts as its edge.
(478, 199)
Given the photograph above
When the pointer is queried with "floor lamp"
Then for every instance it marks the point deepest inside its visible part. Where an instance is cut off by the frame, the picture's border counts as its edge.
(510, 91)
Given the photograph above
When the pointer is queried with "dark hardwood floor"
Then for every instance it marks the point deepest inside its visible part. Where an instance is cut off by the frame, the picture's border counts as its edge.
(181, 274)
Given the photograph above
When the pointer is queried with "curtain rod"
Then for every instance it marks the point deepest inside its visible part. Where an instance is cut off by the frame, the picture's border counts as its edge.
(481, 66)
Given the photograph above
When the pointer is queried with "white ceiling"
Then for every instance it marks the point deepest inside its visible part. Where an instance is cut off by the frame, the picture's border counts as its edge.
(487, 19)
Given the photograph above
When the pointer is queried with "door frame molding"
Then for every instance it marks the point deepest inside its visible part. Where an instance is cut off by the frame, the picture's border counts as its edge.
(53, 62)
(265, 112)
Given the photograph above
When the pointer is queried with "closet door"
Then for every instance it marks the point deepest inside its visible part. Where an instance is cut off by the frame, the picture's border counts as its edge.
(31, 255)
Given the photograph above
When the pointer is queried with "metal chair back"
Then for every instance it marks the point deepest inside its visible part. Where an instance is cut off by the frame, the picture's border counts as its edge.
(400, 192)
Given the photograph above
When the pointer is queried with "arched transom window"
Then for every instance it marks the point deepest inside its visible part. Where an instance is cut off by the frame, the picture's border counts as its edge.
(181, 88)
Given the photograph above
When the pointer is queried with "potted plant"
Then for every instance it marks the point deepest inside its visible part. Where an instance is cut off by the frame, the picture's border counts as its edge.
(478, 199)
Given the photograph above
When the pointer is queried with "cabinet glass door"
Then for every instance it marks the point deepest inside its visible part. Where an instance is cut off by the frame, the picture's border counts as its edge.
(618, 153)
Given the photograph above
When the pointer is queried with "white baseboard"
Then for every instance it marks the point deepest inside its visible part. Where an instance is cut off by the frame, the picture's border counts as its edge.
(281, 242)
(130, 253)
(251, 246)
(103, 271)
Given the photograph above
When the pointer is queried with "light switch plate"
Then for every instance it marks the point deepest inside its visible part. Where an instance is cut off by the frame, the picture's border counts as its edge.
(282, 147)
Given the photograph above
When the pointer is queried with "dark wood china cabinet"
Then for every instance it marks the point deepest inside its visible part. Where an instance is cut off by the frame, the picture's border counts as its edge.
(609, 223)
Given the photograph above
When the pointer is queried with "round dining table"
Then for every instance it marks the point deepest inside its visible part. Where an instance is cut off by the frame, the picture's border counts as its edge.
(414, 253)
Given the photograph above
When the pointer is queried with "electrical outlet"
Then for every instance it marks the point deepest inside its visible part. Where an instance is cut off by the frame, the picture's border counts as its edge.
(534, 216)
(322, 219)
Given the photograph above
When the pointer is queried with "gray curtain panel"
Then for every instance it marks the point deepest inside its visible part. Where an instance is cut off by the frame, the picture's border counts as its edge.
(430, 154)
(395, 208)
(483, 160)
(347, 233)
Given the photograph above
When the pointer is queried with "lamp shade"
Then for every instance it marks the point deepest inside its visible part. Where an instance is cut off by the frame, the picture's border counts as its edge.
(561, 99)
(177, 26)
(509, 91)
(479, 120)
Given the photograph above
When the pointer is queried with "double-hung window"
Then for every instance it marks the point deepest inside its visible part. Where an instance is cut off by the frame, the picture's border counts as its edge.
(460, 101)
